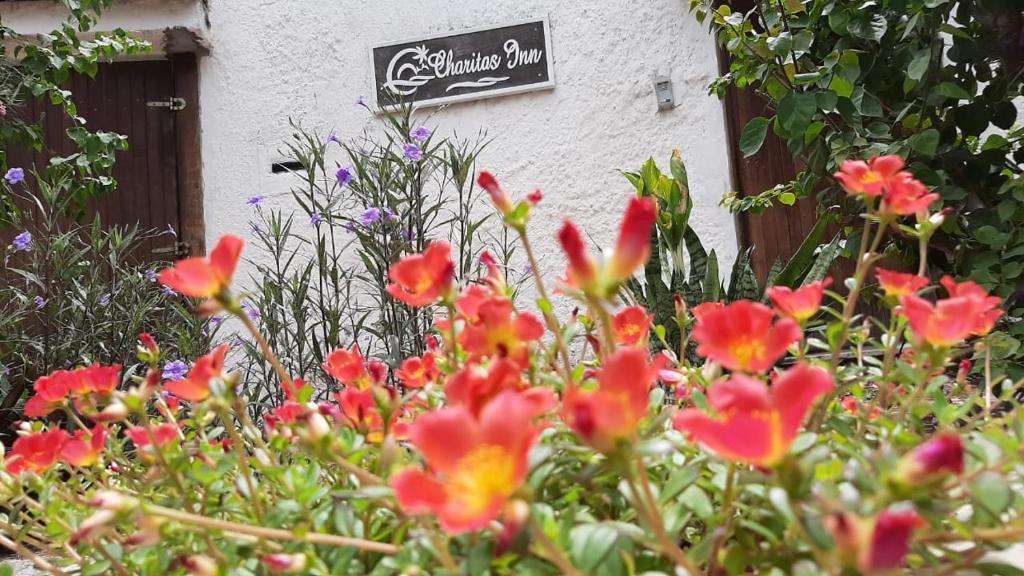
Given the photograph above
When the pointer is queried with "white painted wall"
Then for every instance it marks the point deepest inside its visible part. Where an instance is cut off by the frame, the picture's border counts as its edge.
(308, 59)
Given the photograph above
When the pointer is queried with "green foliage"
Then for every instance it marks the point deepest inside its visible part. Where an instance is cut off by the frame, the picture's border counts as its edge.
(80, 295)
(38, 68)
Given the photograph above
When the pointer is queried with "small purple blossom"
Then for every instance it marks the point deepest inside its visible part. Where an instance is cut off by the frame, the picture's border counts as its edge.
(175, 370)
(420, 134)
(412, 152)
(369, 217)
(15, 175)
(216, 320)
(389, 215)
(150, 275)
(360, 100)
(344, 176)
(251, 311)
(105, 300)
(168, 291)
(237, 342)
(171, 231)
(22, 242)
(409, 234)
(527, 269)
(254, 201)
(40, 301)
(350, 226)
(332, 137)
(316, 219)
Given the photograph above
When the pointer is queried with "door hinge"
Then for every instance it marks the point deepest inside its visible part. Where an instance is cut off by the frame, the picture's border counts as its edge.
(178, 249)
(173, 104)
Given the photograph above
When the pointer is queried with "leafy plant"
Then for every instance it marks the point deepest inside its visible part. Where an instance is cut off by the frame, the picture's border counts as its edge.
(933, 81)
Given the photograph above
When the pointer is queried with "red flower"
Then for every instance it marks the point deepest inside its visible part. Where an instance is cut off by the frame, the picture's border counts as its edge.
(475, 464)
(632, 326)
(360, 410)
(50, 393)
(741, 336)
(35, 453)
(853, 407)
(348, 367)
(899, 284)
(906, 196)
(474, 387)
(890, 540)
(205, 277)
(149, 343)
(938, 456)
(582, 272)
(52, 390)
(196, 386)
(800, 304)
(634, 245)
(420, 279)
(84, 448)
(945, 323)
(501, 201)
(753, 424)
(500, 335)
(859, 177)
(417, 372)
(287, 413)
(700, 311)
(610, 415)
(989, 311)
(535, 197)
(284, 563)
(164, 434)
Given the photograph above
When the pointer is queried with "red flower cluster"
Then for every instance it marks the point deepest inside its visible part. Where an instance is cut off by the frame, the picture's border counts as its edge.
(968, 310)
(37, 452)
(83, 386)
(901, 194)
(205, 277)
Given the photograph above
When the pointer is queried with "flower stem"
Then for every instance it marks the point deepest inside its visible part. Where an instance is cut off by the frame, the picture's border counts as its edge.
(282, 374)
(549, 318)
(648, 508)
(988, 378)
(243, 461)
(271, 533)
(552, 552)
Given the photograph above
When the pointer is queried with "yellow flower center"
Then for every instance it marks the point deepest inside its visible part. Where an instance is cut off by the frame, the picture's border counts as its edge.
(746, 351)
(484, 474)
(871, 177)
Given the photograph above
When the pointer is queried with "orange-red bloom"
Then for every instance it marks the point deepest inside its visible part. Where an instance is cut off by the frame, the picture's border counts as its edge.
(751, 423)
(946, 322)
(417, 372)
(421, 279)
(348, 367)
(359, 410)
(632, 326)
(905, 196)
(35, 453)
(896, 285)
(474, 387)
(501, 201)
(205, 277)
(700, 311)
(196, 386)
(869, 178)
(475, 464)
(741, 336)
(84, 448)
(500, 335)
(634, 245)
(874, 545)
(989, 311)
(582, 271)
(164, 434)
(799, 304)
(608, 416)
(53, 389)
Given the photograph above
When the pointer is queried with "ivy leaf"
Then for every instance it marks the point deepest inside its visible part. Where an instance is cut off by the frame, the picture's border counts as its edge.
(925, 143)
(753, 136)
(951, 90)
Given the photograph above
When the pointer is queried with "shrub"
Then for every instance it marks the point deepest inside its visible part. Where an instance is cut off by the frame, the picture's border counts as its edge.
(501, 453)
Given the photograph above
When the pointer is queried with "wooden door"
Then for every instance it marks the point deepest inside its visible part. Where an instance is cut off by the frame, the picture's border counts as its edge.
(126, 98)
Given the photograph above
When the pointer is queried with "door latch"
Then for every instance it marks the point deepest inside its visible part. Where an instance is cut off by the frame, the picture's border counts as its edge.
(179, 249)
(173, 104)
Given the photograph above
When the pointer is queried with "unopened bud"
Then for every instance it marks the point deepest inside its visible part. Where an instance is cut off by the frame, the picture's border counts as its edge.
(199, 565)
(263, 458)
(112, 500)
(284, 563)
(711, 371)
(148, 534)
(317, 426)
(93, 526)
(116, 411)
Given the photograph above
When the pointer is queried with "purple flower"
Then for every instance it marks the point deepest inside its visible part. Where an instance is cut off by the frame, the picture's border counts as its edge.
(175, 370)
(40, 301)
(344, 176)
(105, 300)
(22, 242)
(412, 152)
(389, 215)
(171, 231)
(370, 216)
(360, 100)
(168, 291)
(350, 226)
(237, 342)
(251, 311)
(15, 175)
(254, 201)
(527, 269)
(409, 234)
(420, 134)
(216, 320)
(332, 137)
(255, 228)
(316, 219)
(150, 275)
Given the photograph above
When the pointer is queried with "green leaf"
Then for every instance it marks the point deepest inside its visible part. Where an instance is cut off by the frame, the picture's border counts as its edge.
(866, 103)
(591, 544)
(919, 65)
(679, 480)
(753, 136)
(795, 112)
(793, 271)
(6, 569)
(996, 569)
(869, 28)
(951, 90)
(697, 501)
(991, 492)
(787, 198)
(925, 143)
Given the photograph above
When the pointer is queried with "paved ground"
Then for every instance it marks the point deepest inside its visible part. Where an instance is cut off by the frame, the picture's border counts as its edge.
(21, 567)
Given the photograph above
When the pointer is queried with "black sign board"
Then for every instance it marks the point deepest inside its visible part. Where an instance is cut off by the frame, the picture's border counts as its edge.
(465, 65)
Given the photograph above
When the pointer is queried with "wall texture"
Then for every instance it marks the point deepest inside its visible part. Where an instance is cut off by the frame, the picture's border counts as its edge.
(309, 60)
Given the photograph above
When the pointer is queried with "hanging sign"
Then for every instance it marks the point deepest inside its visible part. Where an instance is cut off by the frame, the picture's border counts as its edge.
(464, 66)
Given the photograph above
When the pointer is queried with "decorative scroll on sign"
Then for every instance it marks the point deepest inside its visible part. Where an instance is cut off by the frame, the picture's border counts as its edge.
(464, 66)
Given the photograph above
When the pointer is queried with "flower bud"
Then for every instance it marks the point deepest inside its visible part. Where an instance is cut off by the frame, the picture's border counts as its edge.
(199, 565)
(517, 513)
(711, 371)
(501, 201)
(93, 526)
(932, 460)
(116, 411)
(284, 563)
(112, 500)
(148, 534)
(963, 371)
(317, 426)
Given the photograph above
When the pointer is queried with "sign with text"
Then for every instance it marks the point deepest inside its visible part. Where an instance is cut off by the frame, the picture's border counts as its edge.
(464, 66)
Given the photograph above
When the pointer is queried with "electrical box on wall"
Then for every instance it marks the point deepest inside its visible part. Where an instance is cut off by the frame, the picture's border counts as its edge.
(663, 91)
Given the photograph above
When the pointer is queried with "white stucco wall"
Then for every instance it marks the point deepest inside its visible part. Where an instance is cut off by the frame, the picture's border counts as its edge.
(308, 59)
